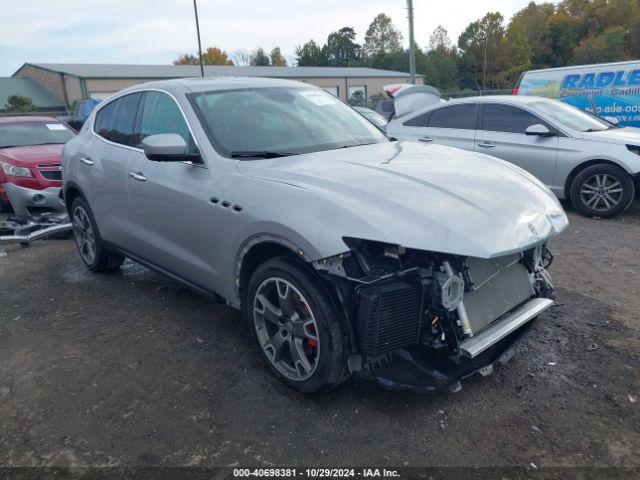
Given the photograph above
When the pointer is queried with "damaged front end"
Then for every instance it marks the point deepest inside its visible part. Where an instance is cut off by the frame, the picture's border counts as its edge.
(424, 320)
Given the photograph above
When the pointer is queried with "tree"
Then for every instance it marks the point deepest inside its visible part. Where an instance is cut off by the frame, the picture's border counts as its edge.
(382, 37)
(259, 58)
(19, 104)
(186, 59)
(517, 54)
(241, 57)
(481, 43)
(277, 60)
(609, 46)
(310, 55)
(341, 49)
(215, 56)
(439, 39)
(440, 63)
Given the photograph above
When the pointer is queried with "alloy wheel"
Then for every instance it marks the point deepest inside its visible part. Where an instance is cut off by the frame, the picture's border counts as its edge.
(85, 237)
(601, 192)
(286, 329)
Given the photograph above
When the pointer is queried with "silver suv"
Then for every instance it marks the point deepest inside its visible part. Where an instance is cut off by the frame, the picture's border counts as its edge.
(578, 156)
(347, 252)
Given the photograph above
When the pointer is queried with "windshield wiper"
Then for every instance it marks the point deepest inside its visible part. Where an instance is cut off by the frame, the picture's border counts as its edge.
(259, 154)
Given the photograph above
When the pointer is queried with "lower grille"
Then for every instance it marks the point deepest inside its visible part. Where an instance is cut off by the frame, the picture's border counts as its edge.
(51, 174)
(389, 317)
(497, 295)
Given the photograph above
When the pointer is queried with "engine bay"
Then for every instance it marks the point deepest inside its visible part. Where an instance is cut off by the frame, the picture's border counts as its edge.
(416, 307)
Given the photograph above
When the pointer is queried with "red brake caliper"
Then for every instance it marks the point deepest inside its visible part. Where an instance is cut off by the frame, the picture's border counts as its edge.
(310, 343)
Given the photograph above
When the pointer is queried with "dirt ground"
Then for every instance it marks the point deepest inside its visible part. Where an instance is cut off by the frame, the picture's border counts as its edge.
(133, 369)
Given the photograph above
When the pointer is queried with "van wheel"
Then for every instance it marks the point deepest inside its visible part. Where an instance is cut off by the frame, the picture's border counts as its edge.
(90, 246)
(296, 326)
(602, 190)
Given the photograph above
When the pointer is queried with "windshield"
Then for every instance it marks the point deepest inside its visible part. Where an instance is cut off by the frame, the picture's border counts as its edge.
(572, 117)
(280, 121)
(373, 116)
(33, 133)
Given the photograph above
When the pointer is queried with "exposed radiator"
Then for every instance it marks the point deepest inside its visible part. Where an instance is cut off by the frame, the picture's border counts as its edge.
(500, 284)
(389, 317)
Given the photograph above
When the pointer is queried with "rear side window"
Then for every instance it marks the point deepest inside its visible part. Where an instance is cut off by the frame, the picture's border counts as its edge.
(456, 116)
(114, 122)
(419, 121)
(161, 114)
(506, 118)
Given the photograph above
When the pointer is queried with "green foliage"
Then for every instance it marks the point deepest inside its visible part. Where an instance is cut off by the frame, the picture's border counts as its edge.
(382, 37)
(341, 49)
(19, 104)
(310, 55)
(259, 58)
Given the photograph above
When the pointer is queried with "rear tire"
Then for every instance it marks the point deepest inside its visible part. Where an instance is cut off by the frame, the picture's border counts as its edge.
(602, 190)
(91, 248)
(296, 326)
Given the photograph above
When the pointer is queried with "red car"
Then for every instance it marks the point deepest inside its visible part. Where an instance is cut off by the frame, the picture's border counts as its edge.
(30, 163)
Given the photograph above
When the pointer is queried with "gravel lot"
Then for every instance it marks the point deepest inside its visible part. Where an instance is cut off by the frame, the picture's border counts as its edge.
(133, 369)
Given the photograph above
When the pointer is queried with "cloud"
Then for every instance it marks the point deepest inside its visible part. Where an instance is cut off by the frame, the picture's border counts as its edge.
(156, 31)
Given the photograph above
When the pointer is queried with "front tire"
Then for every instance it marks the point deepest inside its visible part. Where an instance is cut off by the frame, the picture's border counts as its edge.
(602, 190)
(91, 248)
(296, 326)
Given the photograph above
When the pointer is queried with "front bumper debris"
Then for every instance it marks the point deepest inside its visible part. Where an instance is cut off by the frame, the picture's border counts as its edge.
(418, 370)
(26, 201)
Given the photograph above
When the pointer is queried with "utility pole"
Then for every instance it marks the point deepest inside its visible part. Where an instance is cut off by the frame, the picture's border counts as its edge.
(412, 52)
(195, 9)
(484, 68)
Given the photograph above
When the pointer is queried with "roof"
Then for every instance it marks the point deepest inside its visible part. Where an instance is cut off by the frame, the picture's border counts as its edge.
(104, 70)
(42, 98)
(27, 119)
(579, 67)
(520, 99)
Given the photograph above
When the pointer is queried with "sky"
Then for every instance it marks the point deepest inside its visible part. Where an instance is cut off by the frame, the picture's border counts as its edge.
(157, 31)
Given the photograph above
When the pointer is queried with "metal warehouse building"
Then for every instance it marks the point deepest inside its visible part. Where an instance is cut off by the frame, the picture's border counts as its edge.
(75, 81)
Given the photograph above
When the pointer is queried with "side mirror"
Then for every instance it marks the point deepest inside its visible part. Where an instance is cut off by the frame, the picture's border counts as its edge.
(612, 120)
(539, 130)
(165, 147)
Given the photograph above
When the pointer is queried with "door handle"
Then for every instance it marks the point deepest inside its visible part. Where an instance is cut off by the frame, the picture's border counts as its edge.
(486, 145)
(425, 139)
(138, 176)
(87, 161)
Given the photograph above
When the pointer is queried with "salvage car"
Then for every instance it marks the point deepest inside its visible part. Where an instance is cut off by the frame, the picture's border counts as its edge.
(347, 252)
(30, 164)
(588, 160)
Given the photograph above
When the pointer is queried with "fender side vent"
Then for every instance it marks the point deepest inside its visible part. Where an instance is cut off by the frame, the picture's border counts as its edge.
(237, 208)
(389, 317)
(225, 204)
(214, 200)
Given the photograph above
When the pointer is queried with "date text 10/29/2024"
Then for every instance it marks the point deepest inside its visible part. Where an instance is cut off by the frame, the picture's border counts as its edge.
(315, 473)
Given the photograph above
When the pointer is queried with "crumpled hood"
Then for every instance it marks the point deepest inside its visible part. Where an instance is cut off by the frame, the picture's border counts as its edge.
(628, 135)
(31, 156)
(428, 197)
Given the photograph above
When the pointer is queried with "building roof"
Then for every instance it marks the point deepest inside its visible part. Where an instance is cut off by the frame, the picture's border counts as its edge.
(42, 98)
(104, 70)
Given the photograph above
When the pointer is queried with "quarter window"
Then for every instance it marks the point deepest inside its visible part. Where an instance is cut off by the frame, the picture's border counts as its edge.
(161, 114)
(456, 116)
(505, 118)
(114, 121)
